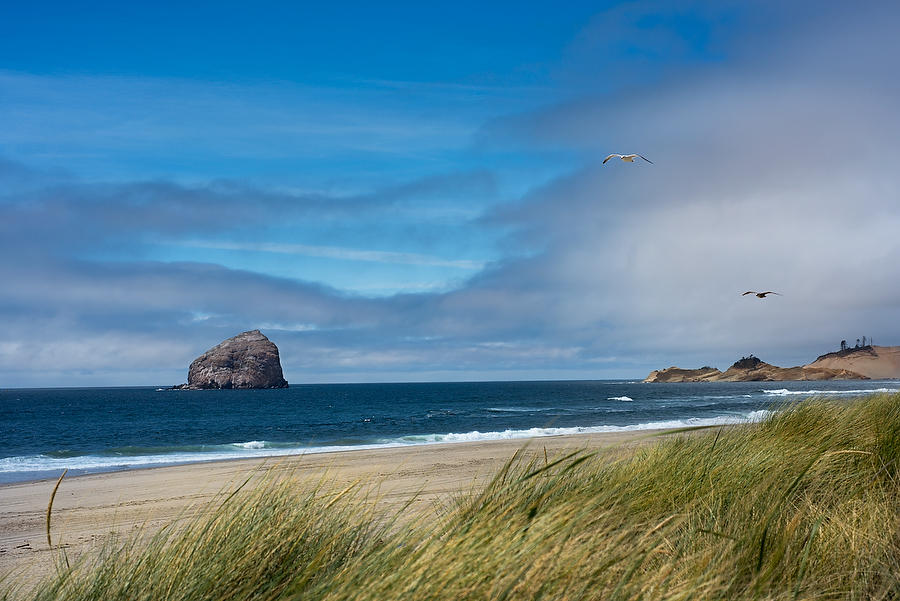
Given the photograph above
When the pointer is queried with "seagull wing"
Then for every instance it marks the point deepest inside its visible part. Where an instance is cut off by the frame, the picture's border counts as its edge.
(609, 157)
(770, 292)
(748, 292)
(645, 158)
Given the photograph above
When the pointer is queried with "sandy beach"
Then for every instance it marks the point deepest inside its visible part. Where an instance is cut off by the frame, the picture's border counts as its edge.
(88, 509)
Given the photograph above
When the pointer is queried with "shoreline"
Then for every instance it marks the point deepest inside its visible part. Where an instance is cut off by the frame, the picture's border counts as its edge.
(89, 508)
(519, 437)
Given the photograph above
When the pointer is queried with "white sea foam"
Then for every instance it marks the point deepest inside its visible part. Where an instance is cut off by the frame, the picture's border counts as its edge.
(786, 392)
(619, 398)
(474, 436)
(40, 463)
(758, 416)
(253, 444)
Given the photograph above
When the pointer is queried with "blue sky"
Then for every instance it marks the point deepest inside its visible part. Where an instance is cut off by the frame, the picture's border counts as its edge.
(414, 192)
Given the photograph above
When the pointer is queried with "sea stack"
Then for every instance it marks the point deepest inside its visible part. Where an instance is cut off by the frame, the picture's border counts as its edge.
(248, 360)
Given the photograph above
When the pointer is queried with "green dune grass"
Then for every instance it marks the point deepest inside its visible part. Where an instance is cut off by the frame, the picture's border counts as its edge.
(804, 505)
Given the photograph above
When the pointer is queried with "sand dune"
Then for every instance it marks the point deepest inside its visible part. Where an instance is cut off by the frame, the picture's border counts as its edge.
(89, 509)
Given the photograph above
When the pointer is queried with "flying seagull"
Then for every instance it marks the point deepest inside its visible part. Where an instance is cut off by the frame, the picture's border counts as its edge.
(759, 294)
(628, 158)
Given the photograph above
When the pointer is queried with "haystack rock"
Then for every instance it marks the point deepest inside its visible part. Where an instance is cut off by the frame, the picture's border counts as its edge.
(248, 360)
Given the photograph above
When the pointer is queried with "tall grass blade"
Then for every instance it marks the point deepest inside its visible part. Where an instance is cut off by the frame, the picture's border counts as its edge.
(50, 505)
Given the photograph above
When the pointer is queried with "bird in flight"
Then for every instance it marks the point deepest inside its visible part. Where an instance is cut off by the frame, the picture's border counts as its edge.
(760, 294)
(628, 158)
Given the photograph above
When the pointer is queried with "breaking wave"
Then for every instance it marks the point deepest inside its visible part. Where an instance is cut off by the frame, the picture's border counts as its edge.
(786, 392)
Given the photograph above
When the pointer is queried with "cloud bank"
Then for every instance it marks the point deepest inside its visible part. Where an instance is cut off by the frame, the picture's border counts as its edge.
(772, 170)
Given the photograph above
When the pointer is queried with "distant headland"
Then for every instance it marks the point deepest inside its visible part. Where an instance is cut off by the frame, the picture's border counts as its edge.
(862, 362)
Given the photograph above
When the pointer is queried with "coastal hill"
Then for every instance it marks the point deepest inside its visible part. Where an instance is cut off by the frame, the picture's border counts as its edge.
(859, 363)
(751, 369)
(876, 362)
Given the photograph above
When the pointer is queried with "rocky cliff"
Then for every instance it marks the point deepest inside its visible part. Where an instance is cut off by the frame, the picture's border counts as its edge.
(752, 369)
(248, 360)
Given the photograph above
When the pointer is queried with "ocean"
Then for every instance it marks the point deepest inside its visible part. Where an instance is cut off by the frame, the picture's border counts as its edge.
(85, 430)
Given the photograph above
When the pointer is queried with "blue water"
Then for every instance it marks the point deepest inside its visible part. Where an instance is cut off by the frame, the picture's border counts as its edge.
(43, 431)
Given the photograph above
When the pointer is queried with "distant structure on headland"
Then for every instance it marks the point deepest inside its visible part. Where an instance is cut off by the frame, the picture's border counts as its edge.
(845, 347)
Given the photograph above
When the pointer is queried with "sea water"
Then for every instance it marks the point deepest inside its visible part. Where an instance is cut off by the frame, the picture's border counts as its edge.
(44, 431)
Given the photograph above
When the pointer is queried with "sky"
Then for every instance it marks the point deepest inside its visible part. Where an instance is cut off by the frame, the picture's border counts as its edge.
(414, 192)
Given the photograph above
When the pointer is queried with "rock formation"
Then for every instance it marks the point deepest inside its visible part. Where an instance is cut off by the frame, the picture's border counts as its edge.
(248, 360)
(752, 369)
(676, 374)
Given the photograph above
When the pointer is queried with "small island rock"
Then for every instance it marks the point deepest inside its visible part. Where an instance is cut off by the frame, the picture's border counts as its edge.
(248, 360)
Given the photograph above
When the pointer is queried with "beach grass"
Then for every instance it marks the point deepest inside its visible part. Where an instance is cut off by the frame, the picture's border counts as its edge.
(804, 505)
